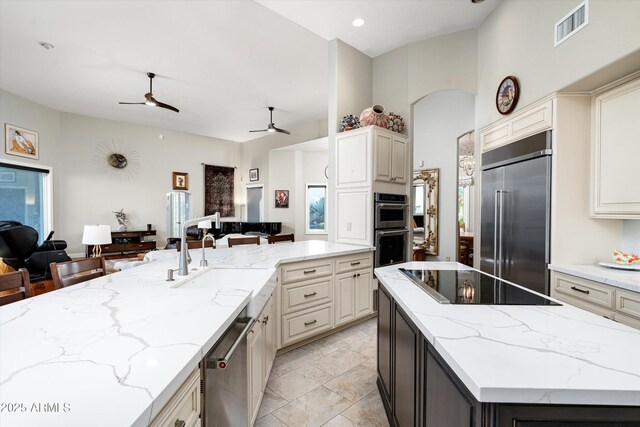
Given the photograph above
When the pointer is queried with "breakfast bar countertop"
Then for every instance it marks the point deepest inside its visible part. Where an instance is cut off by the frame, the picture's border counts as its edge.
(113, 350)
(625, 279)
(531, 354)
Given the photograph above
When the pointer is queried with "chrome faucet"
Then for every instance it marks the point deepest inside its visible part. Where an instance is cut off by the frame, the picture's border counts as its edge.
(204, 262)
(183, 268)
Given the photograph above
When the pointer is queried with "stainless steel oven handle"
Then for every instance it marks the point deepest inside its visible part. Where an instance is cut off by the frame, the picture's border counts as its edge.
(392, 205)
(223, 362)
(392, 233)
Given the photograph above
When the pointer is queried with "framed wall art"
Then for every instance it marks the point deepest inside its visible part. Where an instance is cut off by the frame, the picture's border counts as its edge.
(180, 181)
(21, 142)
(282, 198)
(254, 175)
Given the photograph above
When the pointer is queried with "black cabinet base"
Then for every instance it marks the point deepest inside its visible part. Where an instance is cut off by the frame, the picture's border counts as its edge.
(442, 400)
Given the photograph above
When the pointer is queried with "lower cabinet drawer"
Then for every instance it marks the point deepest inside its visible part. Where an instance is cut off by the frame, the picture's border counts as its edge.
(183, 406)
(353, 262)
(141, 246)
(114, 247)
(298, 296)
(628, 303)
(307, 270)
(585, 290)
(307, 323)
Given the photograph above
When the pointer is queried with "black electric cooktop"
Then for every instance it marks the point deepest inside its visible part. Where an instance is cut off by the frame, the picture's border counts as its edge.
(471, 287)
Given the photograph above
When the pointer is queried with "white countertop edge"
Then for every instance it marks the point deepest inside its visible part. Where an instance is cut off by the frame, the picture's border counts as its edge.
(602, 275)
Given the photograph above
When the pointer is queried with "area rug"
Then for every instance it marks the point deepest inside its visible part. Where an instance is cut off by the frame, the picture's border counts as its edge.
(218, 190)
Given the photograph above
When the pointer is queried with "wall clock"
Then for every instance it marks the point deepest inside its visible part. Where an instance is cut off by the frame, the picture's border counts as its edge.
(507, 95)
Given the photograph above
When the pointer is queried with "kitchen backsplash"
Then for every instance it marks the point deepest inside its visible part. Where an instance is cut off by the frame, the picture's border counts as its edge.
(631, 235)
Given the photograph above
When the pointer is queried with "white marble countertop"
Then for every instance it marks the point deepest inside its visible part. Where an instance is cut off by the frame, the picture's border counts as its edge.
(116, 348)
(625, 279)
(525, 354)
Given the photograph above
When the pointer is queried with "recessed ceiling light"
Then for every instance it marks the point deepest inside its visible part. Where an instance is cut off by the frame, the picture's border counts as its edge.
(358, 22)
(46, 45)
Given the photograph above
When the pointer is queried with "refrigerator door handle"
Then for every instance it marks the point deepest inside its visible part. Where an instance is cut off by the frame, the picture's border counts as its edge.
(495, 230)
(500, 254)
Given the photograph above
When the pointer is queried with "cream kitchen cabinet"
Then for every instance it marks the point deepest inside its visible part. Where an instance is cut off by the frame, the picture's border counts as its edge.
(255, 365)
(371, 154)
(261, 351)
(390, 156)
(613, 303)
(354, 296)
(615, 153)
(338, 292)
(183, 409)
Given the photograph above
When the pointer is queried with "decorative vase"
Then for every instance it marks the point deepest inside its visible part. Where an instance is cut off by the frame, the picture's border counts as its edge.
(396, 123)
(374, 116)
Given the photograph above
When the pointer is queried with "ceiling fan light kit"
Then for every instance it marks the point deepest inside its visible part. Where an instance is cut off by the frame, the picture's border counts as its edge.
(271, 127)
(150, 100)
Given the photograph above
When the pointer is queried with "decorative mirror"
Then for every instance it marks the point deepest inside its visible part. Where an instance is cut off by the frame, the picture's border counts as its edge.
(465, 190)
(425, 209)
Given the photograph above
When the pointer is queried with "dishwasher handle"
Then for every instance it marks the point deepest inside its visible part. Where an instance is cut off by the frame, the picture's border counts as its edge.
(222, 362)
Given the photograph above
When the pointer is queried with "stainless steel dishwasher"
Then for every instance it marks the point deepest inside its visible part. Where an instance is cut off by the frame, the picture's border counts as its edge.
(225, 390)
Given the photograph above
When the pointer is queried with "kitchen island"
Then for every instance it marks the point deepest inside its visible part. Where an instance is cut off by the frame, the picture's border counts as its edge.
(113, 351)
(500, 365)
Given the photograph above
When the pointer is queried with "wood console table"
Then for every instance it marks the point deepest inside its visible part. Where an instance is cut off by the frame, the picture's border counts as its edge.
(126, 243)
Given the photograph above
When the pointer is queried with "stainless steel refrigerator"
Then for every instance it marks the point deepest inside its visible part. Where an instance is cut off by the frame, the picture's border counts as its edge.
(516, 210)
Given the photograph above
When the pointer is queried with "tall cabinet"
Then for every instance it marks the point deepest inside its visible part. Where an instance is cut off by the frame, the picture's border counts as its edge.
(369, 159)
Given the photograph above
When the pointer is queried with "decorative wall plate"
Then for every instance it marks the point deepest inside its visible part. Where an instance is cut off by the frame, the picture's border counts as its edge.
(507, 95)
(117, 159)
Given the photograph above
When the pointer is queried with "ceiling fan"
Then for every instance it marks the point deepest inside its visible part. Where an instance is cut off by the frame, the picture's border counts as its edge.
(271, 127)
(150, 100)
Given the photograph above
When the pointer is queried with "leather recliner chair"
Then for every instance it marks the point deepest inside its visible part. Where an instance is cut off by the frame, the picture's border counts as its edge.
(19, 249)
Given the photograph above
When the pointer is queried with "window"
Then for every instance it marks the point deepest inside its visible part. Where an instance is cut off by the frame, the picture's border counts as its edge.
(25, 193)
(316, 209)
(255, 204)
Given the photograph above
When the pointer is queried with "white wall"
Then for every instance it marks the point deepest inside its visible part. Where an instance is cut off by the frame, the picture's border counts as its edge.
(256, 154)
(83, 195)
(631, 235)
(517, 39)
(439, 119)
(292, 170)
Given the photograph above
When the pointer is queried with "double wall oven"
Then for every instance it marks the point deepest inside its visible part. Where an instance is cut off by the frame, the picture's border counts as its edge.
(391, 228)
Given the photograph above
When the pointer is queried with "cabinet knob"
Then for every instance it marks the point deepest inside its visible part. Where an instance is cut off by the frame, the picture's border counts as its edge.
(179, 423)
(265, 320)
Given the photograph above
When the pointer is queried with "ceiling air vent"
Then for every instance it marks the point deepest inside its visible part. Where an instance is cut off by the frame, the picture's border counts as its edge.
(571, 23)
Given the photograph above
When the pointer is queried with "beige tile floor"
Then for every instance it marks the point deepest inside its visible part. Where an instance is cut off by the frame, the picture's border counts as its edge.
(329, 382)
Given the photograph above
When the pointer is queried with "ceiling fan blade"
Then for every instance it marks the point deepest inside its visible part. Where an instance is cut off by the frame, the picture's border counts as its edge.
(167, 106)
(132, 103)
(261, 130)
(282, 130)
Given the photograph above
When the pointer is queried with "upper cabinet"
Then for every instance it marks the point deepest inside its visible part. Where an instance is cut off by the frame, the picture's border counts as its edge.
(371, 154)
(615, 154)
(390, 156)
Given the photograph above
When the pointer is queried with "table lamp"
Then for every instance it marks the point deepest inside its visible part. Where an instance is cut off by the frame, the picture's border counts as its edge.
(96, 235)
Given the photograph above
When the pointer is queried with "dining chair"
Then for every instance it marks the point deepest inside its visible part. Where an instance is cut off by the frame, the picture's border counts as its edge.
(73, 272)
(281, 238)
(243, 241)
(14, 286)
(196, 244)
